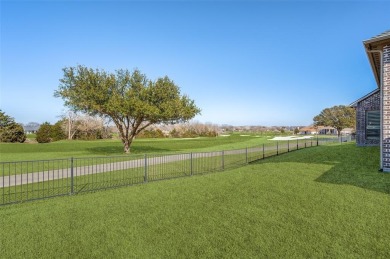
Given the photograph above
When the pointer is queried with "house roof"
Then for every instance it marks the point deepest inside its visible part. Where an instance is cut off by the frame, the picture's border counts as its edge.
(31, 128)
(309, 128)
(376, 43)
(364, 97)
(314, 128)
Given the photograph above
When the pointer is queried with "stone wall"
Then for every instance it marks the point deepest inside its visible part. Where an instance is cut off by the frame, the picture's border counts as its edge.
(386, 109)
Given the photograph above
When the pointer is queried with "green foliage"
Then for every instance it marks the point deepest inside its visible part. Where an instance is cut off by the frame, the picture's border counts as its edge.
(57, 131)
(10, 131)
(48, 133)
(130, 100)
(93, 134)
(339, 117)
(5, 120)
(151, 133)
(44, 133)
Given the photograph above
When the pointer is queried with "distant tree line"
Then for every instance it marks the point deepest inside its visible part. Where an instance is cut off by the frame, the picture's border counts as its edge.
(182, 130)
(81, 127)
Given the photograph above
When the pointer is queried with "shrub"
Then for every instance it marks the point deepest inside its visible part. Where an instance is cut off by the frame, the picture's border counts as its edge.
(44, 133)
(152, 133)
(10, 131)
(57, 131)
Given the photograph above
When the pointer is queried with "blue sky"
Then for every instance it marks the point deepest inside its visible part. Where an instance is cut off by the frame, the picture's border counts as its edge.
(243, 62)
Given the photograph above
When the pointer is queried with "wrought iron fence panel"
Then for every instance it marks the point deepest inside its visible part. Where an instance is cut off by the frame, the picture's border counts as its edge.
(30, 180)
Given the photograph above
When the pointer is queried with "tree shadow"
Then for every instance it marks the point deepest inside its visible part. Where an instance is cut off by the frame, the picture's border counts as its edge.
(118, 150)
(351, 165)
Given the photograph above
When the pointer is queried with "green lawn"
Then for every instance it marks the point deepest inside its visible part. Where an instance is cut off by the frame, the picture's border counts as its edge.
(67, 149)
(327, 201)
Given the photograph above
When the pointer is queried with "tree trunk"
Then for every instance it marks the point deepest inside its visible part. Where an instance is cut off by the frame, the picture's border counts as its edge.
(126, 146)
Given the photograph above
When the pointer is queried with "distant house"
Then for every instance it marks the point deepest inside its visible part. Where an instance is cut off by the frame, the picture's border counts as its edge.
(307, 130)
(321, 130)
(326, 130)
(347, 131)
(373, 109)
(31, 128)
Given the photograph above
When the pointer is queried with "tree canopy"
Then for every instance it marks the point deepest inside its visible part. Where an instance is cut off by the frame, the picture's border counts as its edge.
(339, 117)
(10, 131)
(131, 100)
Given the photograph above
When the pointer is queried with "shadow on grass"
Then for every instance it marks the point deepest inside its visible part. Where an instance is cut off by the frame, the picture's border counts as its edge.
(115, 150)
(352, 165)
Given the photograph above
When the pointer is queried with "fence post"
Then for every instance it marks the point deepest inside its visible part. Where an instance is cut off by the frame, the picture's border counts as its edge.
(191, 172)
(277, 148)
(146, 169)
(71, 177)
(223, 160)
(263, 151)
(317, 140)
(288, 145)
(246, 155)
(297, 144)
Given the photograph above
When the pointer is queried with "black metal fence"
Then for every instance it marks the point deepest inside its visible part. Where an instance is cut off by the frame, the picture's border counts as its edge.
(31, 180)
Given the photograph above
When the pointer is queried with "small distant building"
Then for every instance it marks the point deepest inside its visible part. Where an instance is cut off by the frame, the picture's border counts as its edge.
(321, 130)
(347, 131)
(31, 128)
(326, 130)
(307, 131)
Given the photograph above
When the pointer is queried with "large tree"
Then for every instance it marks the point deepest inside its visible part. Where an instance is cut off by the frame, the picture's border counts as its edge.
(10, 131)
(339, 117)
(131, 100)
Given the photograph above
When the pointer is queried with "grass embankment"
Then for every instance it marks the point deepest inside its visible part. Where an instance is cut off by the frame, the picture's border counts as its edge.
(67, 149)
(326, 201)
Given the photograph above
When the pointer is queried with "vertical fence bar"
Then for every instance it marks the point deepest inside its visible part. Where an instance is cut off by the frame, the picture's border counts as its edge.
(288, 145)
(3, 184)
(246, 155)
(297, 144)
(146, 168)
(71, 176)
(223, 160)
(277, 148)
(191, 165)
(263, 151)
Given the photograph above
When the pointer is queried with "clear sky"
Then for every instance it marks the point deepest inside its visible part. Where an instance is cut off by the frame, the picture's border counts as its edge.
(243, 62)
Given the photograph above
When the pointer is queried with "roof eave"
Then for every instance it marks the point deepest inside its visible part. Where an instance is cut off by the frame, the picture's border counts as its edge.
(376, 43)
(374, 66)
(377, 39)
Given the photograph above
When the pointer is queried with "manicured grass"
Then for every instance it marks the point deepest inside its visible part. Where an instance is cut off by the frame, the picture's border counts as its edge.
(327, 201)
(67, 149)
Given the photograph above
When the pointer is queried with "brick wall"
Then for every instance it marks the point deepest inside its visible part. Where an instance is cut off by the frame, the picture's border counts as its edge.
(371, 103)
(386, 109)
